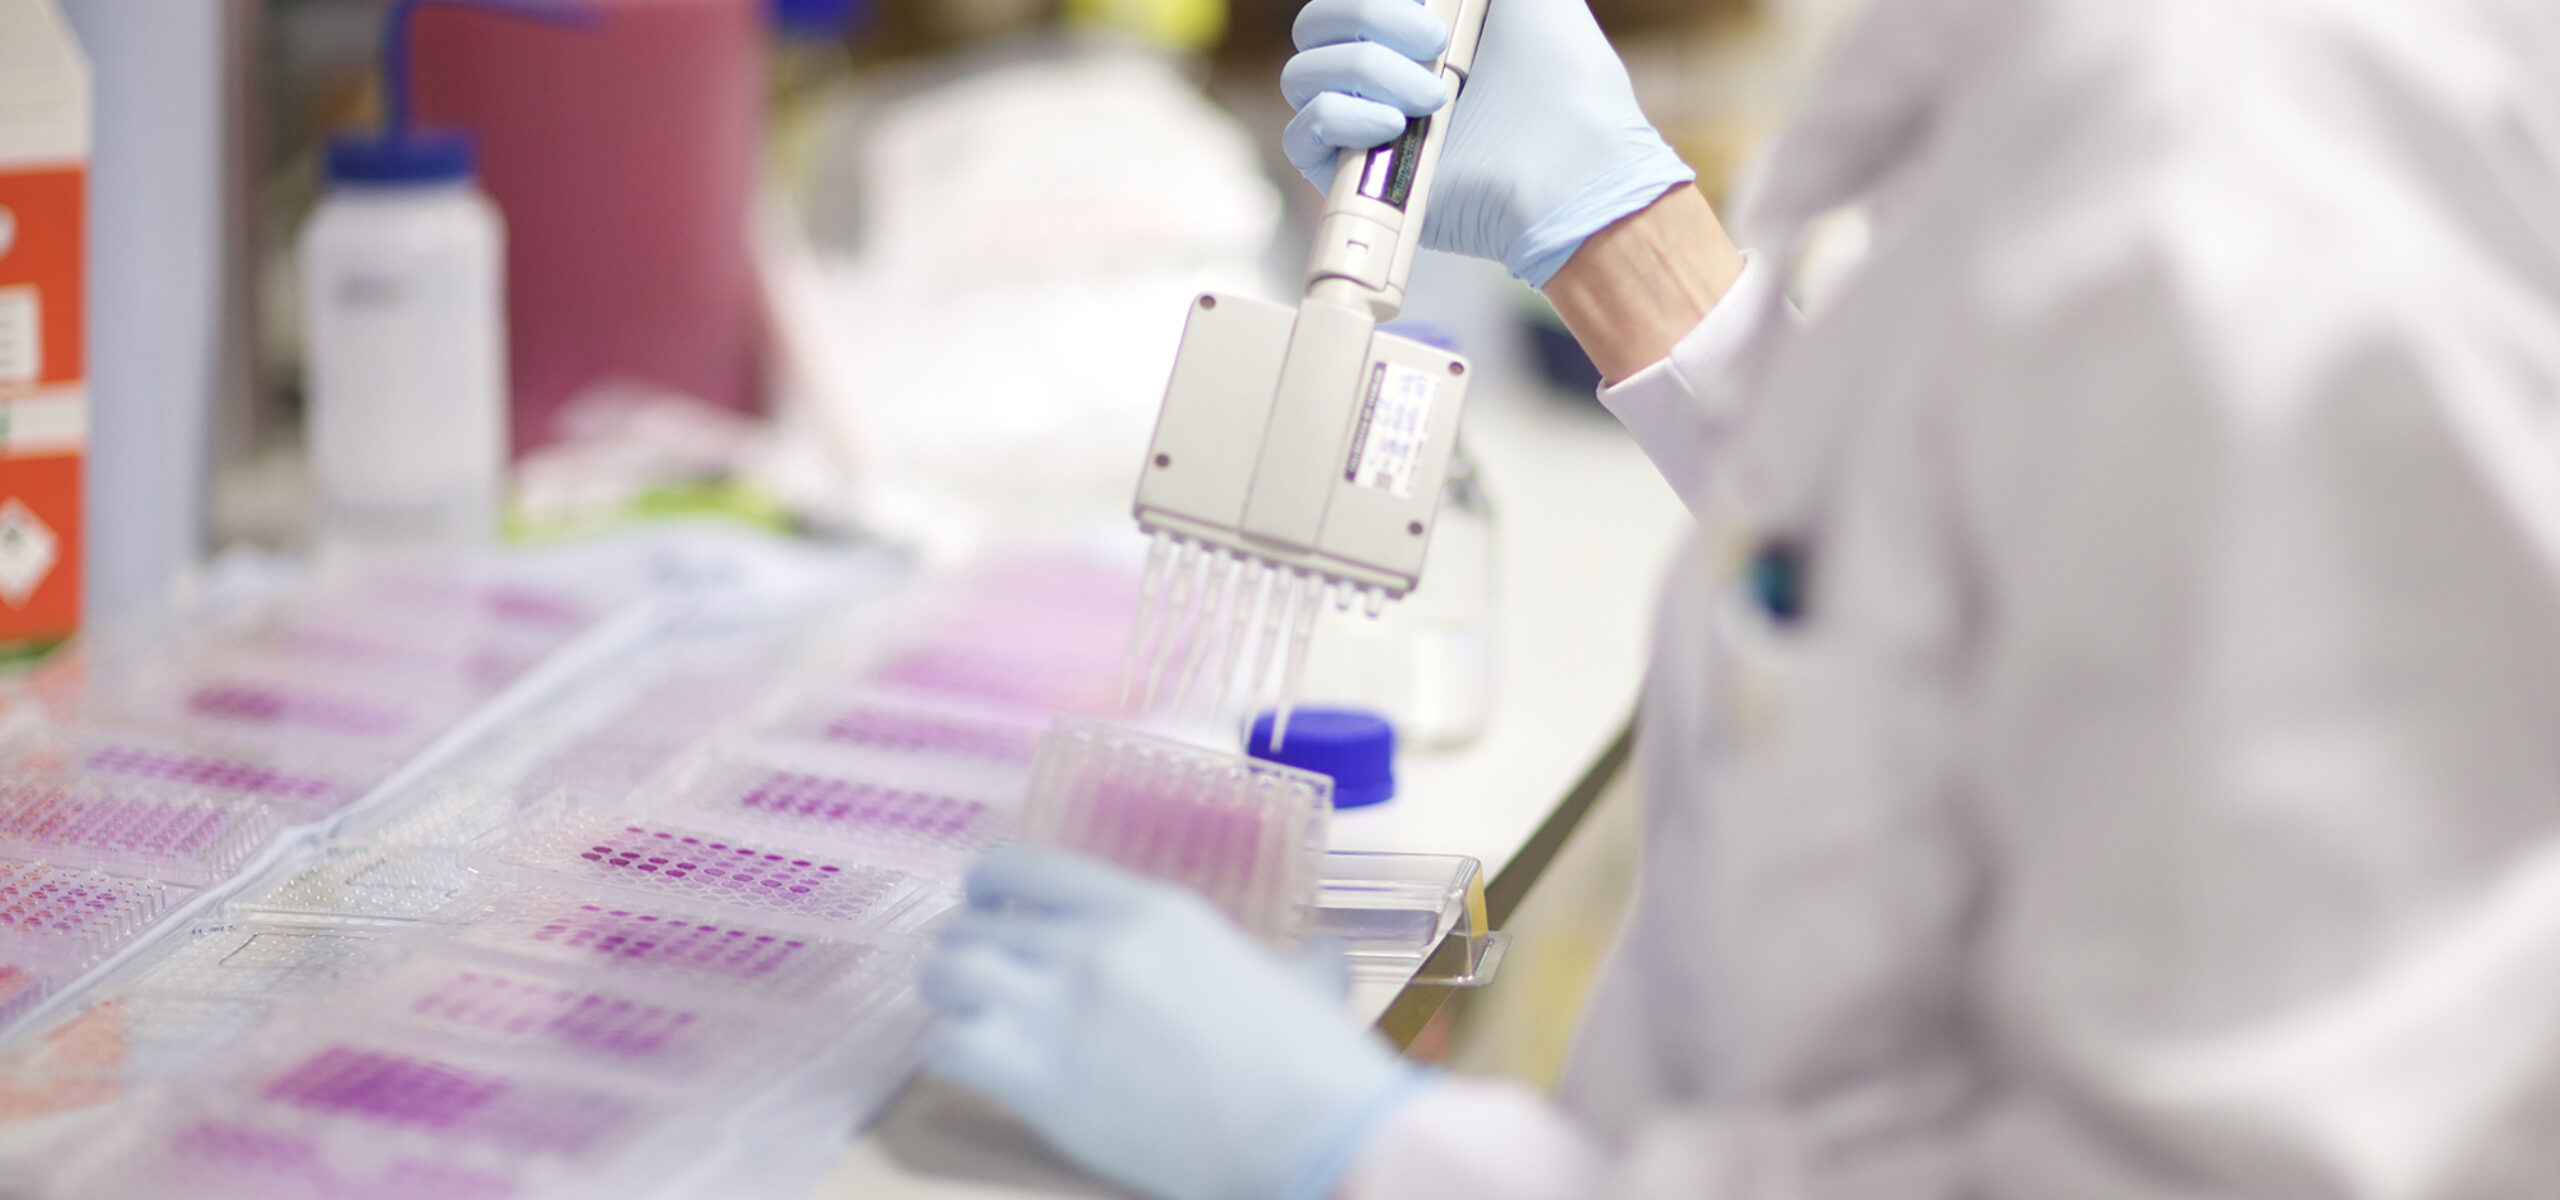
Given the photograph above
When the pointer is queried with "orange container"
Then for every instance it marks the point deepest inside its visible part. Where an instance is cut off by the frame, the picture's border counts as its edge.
(44, 398)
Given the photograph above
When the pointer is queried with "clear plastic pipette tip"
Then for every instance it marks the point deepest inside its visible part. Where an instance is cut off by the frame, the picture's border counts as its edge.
(1224, 569)
(1279, 601)
(1251, 595)
(1302, 630)
(1157, 552)
(1177, 604)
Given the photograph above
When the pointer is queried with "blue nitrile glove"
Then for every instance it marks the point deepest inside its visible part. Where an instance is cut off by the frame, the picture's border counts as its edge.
(1142, 1033)
(1549, 146)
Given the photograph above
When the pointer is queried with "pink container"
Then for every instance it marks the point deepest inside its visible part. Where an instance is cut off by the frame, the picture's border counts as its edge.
(623, 155)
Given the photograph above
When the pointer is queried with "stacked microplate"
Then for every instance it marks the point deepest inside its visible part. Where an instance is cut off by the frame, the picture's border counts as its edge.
(600, 953)
(154, 766)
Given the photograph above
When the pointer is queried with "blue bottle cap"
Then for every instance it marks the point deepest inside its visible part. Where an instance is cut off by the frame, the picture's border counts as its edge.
(818, 18)
(413, 157)
(1354, 746)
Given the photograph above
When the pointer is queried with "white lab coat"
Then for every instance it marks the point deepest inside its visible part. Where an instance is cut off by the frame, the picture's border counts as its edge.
(2161, 796)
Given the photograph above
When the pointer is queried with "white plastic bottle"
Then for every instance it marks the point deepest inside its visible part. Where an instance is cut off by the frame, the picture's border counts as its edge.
(405, 367)
(403, 270)
(405, 360)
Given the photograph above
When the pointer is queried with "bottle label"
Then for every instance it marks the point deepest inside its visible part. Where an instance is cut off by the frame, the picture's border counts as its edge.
(44, 401)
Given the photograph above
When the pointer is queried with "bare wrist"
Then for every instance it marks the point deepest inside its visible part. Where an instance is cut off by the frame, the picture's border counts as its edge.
(1637, 287)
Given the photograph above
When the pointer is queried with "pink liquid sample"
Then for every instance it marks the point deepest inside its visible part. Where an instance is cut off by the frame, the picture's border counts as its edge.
(1248, 835)
(467, 1104)
(622, 156)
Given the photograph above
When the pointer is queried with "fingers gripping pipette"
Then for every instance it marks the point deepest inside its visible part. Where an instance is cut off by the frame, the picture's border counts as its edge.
(1304, 449)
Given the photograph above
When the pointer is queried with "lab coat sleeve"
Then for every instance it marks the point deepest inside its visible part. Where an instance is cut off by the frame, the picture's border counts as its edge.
(1683, 408)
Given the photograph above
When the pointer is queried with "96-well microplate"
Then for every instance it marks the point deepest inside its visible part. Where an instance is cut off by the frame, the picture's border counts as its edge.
(693, 867)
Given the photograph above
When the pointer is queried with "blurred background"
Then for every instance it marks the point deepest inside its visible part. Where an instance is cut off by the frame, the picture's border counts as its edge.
(1003, 190)
(907, 271)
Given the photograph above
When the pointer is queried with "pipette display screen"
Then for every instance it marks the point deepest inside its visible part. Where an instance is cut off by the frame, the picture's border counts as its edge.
(1388, 175)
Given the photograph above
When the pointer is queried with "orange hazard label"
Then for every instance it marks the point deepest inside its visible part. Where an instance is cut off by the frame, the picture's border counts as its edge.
(43, 402)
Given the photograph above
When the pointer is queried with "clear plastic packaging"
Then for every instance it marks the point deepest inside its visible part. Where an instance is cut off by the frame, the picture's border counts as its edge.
(649, 946)
(836, 807)
(58, 921)
(128, 831)
(697, 869)
(1248, 834)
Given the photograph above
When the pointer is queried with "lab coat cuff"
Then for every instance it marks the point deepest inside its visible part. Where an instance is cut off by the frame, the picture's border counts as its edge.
(1486, 1139)
(1681, 407)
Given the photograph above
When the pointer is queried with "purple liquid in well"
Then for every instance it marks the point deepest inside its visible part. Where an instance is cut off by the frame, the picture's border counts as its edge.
(739, 871)
(383, 1087)
(623, 935)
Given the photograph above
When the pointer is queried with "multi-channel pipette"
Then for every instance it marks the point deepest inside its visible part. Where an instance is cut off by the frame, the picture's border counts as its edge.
(1300, 452)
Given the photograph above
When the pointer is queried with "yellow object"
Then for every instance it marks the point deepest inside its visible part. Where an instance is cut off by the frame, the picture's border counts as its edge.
(1183, 24)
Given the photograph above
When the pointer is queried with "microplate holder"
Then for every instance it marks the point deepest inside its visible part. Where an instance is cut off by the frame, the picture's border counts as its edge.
(1415, 919)
(1246, 833)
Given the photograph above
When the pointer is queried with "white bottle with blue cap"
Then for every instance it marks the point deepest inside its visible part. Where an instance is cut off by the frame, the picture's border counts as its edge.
(405, 361)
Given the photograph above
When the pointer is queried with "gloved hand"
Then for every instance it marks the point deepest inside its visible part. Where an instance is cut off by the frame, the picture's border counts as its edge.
(1548, 146)
(1142, 1033)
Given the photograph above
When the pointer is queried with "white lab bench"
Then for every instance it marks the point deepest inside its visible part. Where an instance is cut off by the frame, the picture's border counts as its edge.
(1584, 529)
